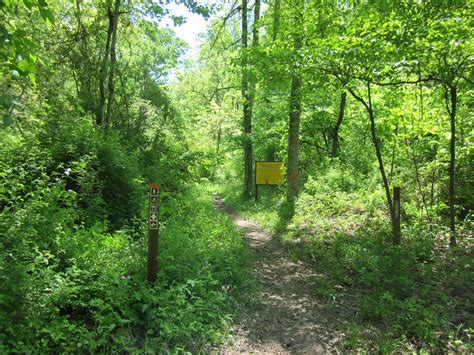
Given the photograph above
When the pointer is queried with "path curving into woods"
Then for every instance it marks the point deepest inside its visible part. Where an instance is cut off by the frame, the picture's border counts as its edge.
(287, 318)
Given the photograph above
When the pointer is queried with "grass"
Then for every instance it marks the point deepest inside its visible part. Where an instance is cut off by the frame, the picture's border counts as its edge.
(412, 297)
(98, 299)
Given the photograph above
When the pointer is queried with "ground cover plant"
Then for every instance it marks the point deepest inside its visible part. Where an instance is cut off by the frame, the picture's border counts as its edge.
(86, 290)
(354, 99)
(415, 296)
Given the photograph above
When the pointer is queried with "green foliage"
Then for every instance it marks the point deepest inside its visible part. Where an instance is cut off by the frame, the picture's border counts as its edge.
(413, 297)
(408, 293)
(86, 289)
(72, 192)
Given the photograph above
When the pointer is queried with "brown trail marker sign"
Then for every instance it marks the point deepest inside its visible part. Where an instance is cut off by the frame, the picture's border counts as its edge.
(153, 231)
(268, 173)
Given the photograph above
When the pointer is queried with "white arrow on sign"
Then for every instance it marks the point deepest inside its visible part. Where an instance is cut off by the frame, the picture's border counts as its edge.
(153, 217)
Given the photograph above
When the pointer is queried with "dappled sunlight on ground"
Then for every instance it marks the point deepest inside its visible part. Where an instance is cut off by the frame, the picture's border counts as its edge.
(288, 317)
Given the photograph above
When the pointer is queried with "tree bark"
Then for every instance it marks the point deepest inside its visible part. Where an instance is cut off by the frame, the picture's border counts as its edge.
(248, 88)
(113, 18)
(256, 19)
(219, 129)
(378, 151)
(451, 105)
(247, 107)
(276, 19)
(340, 118)
(295, 116)
(103, 75)
(84, 77)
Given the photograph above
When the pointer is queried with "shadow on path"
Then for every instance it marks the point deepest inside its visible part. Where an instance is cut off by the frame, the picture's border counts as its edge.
(288, 317)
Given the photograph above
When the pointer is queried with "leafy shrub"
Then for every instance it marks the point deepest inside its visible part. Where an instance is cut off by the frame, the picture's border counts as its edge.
(77, 288)
(412, 297)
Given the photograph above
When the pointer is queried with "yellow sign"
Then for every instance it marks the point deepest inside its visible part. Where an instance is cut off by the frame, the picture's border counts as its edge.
(268, 173)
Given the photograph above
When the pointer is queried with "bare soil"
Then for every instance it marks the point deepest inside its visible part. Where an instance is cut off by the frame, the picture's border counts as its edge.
(287, 317)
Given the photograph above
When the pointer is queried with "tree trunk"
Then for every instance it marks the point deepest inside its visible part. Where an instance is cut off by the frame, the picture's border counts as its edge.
(378, 151)
(451, 105)
(219, 130)
(295, 116)
(271, 153)
(84, 77)
(247, 107)
(340, 118)
(113, 18)
(276, 19)
(256, 19)
(103, 75)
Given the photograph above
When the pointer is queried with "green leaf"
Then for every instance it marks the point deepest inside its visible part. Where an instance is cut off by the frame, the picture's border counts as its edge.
(32, 78)
(47, 15)
(7, 120)
(23, 66)
(28, 4)
(6, 101)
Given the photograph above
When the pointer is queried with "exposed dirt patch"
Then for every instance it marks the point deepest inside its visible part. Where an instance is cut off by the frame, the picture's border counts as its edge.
(287, 317)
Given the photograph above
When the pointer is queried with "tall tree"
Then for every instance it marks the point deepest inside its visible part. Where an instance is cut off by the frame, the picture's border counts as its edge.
(276, 19)
(451, 106)
(113, 19)
(295, 110)
(247, 105)
(103, 71)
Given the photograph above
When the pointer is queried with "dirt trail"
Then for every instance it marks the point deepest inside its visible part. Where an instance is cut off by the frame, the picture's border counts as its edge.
(288, 318)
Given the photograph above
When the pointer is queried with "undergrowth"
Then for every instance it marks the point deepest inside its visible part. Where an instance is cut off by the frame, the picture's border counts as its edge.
(412, 297)
(87, 291)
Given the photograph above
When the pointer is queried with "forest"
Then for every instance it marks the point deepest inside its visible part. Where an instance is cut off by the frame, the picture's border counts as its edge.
(364, 246)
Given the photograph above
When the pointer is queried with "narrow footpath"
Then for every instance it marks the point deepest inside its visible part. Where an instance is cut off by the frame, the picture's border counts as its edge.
(288, 318)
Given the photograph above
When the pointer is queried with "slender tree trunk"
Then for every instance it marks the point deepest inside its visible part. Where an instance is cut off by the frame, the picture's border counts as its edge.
(378, 151)
(124, 94)
(293, 140)
(85, 67)
(394, 150)
(276, 19)
(248, 93)
(271, 153)
(256, 19)
(103, 75)
(113, 17)
(81, 32)
(219, 130)
(451, 105)
(295, 115)
(433, 179)
(247, 107)
(218, 143)
(340, 118)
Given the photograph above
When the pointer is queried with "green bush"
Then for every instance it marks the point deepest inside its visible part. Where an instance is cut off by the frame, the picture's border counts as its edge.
(75, 288)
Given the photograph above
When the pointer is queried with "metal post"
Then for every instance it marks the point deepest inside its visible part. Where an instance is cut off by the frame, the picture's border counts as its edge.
(153, 232)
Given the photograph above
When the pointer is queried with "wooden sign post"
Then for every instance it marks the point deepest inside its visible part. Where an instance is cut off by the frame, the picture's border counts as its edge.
(268, 173)
(153, 231)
